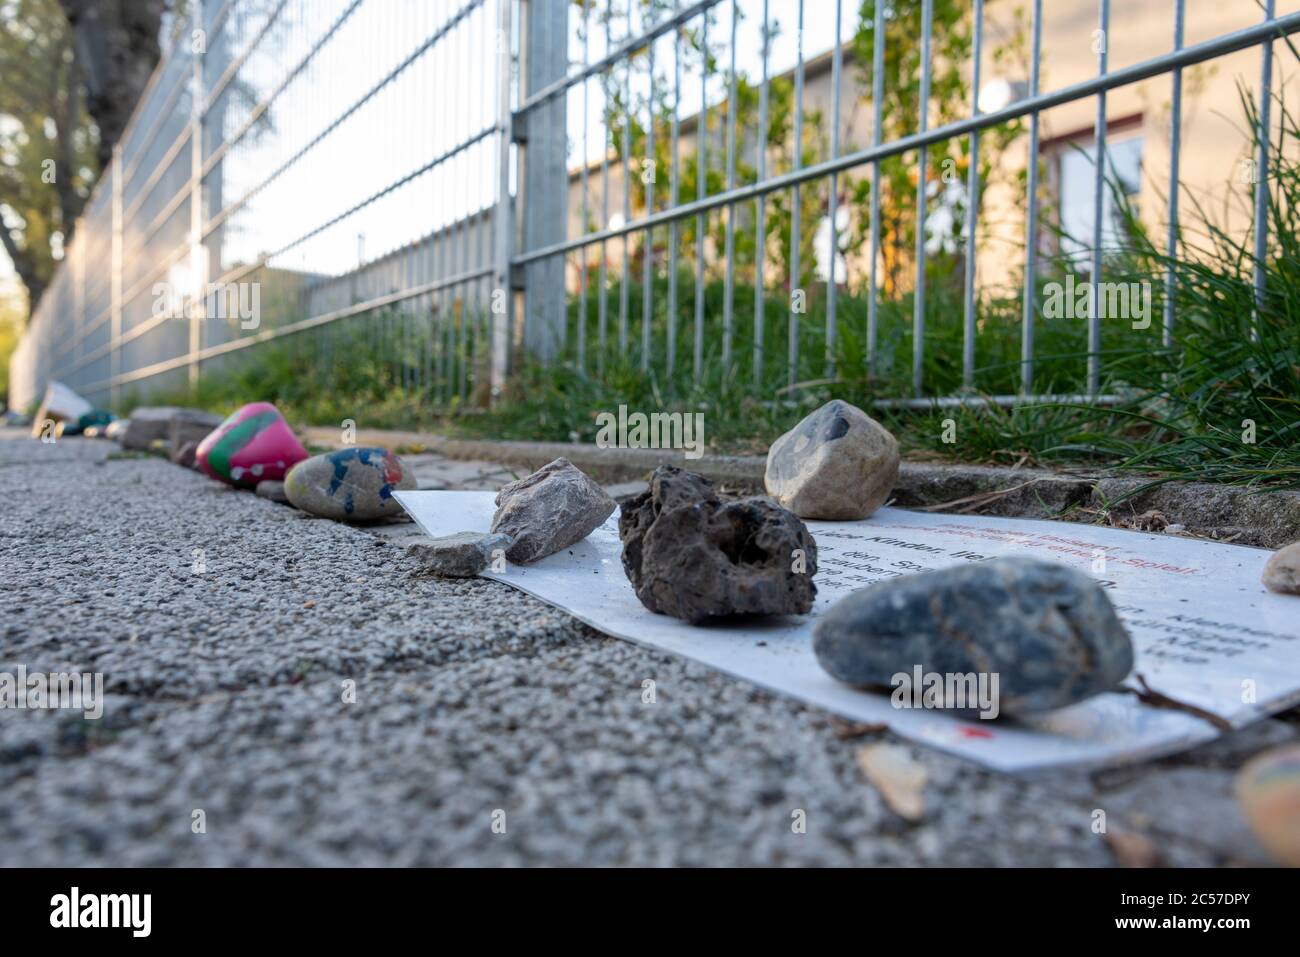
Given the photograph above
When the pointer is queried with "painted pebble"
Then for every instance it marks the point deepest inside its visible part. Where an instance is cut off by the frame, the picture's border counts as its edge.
(254, 443)
(351, 484)
(1268, 789)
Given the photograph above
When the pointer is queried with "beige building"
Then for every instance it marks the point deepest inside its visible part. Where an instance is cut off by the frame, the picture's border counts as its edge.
(1216, 171)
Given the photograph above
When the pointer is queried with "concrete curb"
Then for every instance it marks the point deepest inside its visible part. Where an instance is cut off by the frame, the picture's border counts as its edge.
(1223, 512)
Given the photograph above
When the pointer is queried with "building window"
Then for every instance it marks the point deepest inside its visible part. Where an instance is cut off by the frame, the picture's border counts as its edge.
(1071, 168)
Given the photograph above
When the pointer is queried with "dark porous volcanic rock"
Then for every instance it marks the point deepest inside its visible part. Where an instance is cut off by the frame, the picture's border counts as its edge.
(695, 556)
(1048, 632)
(555, 507)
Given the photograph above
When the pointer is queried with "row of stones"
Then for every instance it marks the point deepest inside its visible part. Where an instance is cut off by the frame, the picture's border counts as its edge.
(1049, 632)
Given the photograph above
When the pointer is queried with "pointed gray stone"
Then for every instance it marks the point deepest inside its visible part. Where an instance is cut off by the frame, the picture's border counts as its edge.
(550, 510)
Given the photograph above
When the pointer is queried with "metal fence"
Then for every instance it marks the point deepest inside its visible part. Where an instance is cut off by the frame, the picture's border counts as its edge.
(396, 176)
(322, 169)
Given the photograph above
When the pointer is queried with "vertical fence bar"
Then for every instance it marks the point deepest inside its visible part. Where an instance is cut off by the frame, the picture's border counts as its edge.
(832, 330)
(1098, 209)
(877, 107)
(792, 343)
(602, 308)
(546, 180)
(582, 229)
(503, 214)
(1261, 168)
(648, 249)
(115, 329)
(1031, 219)
(922, 191)
(701, 187)
(730, 253)
(1175, 151)
(625, 289)
(760, 206)
(972, 210)
(197, 293)
(670, 348)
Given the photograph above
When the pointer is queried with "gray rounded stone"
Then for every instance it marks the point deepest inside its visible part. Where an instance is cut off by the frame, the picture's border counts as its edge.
(1049, 632)
(273, 490)
(1282, 573)
(837, 464)
(555, 507)
(351, 484)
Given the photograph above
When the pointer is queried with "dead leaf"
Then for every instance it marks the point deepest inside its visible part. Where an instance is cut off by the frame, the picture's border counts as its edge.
(897, 776)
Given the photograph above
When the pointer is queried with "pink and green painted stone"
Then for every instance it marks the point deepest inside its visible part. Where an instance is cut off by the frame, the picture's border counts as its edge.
(254, 444)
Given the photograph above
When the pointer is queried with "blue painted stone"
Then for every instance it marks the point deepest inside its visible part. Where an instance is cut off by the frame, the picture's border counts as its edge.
(1048, 632)
(351, 484)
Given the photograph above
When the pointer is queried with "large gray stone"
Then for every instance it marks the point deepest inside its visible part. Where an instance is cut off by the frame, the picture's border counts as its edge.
(550, 510)
(838, 464)
(148, 424)
(1282, 572)
(462, 555)
(352, 484)
(1048, 632)
(191, 425)
(694, 556)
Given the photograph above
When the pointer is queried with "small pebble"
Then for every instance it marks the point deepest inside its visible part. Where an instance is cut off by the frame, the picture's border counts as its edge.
(1282, 573)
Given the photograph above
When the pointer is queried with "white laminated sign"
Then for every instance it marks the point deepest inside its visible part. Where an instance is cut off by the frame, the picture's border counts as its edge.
(1205, 631)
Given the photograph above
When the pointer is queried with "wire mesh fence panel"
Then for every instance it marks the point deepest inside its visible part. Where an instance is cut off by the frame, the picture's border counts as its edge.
(890, 193)
(292, 166)
(719, 197)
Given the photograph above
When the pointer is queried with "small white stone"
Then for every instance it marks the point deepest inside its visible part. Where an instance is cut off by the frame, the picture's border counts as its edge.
(837, 464)
(1282, 573)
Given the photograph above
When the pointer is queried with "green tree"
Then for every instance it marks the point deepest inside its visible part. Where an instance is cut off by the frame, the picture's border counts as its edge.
(47, 143)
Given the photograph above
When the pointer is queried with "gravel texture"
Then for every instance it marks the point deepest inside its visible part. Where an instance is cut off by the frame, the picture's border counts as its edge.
(231, 673)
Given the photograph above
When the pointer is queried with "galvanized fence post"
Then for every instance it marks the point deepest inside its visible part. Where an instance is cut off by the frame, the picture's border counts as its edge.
(198, 262)
(541, 132)
(115, 322)
(501, 309)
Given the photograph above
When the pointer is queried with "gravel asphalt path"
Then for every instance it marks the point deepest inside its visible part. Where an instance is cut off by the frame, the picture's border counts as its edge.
(231, 632)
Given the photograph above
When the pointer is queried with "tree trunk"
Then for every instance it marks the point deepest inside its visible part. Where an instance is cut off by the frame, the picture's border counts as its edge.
(117, 50)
